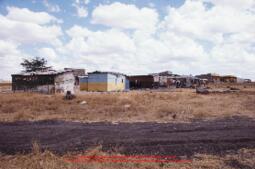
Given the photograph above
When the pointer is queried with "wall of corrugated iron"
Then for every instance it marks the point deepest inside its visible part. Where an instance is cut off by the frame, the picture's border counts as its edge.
(104, 82)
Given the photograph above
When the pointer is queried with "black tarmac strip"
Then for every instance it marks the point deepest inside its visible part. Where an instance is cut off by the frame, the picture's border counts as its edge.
(180, 139)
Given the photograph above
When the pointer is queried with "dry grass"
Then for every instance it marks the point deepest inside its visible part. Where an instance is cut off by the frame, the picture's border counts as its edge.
(244, 158)
(5, 86)
(136, 106)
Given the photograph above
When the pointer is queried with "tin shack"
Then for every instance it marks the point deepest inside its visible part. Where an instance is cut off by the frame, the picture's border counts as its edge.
(141, 81)
(210, 77)
(48, 82)
(104, 82)
(228, 79)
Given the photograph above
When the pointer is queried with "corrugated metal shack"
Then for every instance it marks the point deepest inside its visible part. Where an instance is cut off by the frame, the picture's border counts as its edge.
(48, 82)
(228, 79)
(216, 78)
(164, 79)
(104, 81)
(161, 79)
(210, 77)
(141, 81)
(185, 81)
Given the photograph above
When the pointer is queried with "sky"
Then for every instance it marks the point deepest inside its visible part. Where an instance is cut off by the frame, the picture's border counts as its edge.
(130, 36)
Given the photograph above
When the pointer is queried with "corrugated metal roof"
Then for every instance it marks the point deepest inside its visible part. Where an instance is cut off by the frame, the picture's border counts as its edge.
(226, 76)
(50, 72)
(106, 72)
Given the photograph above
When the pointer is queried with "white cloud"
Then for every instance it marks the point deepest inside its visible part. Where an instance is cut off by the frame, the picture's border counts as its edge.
(24, 26)
(82, 1)
(81, 9)
(100, 43)
(7, 48)
(152, 5)
(195, 20)
(86, 2)
(182, 47)
(20, 29)
(78, 31)
(51, 7)
(23, 32)
(82, 12)
(10, 59)
(25, 15)
(47, 53)
(125, 16)
(99, 50)
(238, 4)
(53, 58)
(114, 50)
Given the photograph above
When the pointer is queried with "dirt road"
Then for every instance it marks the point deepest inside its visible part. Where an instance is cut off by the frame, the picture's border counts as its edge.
(215, 137)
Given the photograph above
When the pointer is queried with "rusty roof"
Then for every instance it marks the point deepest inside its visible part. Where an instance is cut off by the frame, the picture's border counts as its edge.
(50, 72)
(106, 72)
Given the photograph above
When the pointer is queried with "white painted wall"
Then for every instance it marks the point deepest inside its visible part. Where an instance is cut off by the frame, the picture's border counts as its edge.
(64, 82)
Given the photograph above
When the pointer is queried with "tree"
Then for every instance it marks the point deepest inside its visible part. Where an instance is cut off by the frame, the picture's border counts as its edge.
(35, 64)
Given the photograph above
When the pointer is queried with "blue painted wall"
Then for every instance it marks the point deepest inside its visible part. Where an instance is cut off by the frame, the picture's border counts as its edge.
(127, 84)
(83, 79)
(98, 78)
(106, 78)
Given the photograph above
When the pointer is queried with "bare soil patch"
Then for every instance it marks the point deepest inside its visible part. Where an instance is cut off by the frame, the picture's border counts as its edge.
(182, 139)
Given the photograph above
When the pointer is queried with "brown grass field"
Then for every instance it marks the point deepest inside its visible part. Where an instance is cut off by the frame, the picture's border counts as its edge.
(5, 86)
(245, 158)
(179, 105)
(135, 106)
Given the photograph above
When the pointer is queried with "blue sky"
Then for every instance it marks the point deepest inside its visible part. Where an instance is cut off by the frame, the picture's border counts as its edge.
(130, 36)
(67, 12)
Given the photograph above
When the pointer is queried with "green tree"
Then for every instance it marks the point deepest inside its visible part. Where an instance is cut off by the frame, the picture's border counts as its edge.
(35, 64)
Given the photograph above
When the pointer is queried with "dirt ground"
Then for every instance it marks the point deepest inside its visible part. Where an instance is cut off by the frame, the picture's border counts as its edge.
(182, 139)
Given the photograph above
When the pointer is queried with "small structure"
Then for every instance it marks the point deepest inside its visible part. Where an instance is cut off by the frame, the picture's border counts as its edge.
(247, 81)
(104, 81)
(76, 73)
(185, 81)
(141, 81)
(210, 77)
(163, 79)
(241, 80)
(44, 81)
(228, 79)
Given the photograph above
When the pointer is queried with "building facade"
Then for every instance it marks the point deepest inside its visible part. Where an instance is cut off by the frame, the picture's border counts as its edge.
(228, 79)
(77, 73)
(104, 81)
(48, 82)
(161, 79)
(141, 81)
(210, 77)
